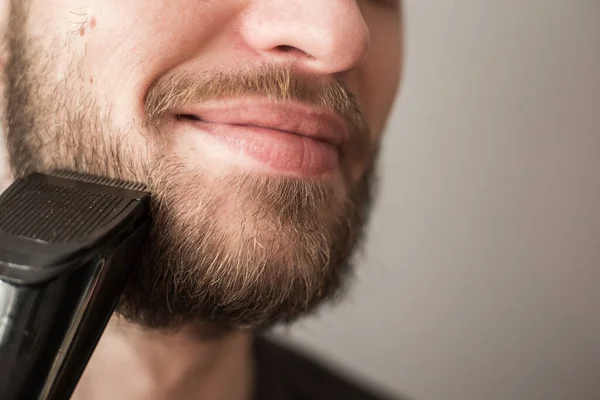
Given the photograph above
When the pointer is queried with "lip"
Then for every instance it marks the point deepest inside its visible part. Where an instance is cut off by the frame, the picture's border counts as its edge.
(289, 138)
(290, 117)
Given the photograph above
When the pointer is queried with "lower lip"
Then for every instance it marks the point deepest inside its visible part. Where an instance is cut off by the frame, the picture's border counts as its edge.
(280, 151)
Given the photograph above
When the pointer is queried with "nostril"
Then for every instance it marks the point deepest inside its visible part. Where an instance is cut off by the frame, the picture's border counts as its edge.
(286, 49)
(291, 50)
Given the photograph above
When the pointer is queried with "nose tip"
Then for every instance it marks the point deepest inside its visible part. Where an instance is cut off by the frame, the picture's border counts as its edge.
(329, 36)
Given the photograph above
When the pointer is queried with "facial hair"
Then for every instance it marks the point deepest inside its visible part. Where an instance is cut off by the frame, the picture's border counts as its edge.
(244, 250)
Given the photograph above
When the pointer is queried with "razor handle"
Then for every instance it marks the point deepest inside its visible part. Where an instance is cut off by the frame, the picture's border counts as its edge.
(57, 296)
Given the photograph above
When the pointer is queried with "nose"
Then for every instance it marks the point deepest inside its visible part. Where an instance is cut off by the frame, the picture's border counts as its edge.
(325, 36)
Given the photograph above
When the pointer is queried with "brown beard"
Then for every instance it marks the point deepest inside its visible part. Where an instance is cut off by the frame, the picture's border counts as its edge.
(244, 251)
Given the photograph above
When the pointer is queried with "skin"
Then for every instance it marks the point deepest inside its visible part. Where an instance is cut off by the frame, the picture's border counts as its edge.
(119, 48)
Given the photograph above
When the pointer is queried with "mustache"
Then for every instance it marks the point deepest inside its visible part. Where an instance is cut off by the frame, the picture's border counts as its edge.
(278, 83)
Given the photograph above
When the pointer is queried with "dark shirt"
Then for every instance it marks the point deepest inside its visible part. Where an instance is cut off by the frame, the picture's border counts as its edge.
(283, 374)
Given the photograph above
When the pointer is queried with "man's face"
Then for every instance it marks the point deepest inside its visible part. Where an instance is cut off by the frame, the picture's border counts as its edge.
(255, 124)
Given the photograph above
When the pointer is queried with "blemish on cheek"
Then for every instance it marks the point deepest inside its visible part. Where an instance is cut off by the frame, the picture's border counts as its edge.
(82, 31)
(93, 22)
(92, 79)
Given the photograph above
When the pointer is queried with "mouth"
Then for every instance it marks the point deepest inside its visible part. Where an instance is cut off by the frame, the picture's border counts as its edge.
(291, 139)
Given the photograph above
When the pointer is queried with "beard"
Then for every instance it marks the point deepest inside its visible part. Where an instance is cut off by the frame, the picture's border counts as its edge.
(238, 250)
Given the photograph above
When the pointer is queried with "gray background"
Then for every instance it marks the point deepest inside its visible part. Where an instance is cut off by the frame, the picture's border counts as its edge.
(481, 279)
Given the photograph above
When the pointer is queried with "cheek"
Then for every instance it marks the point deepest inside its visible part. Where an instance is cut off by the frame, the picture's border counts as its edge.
(127, 43)
(380, 73)
(381, 80)
(118, 48)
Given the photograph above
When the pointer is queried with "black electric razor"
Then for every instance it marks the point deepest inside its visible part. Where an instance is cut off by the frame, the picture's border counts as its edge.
(67, 245)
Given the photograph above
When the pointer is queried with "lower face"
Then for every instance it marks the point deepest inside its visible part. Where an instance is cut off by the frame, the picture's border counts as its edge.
(253, 223)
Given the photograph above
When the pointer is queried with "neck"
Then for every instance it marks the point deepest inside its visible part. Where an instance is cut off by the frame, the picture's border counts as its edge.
(134, 363)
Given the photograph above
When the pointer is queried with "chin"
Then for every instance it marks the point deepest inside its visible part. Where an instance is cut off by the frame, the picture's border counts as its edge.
(243, 251)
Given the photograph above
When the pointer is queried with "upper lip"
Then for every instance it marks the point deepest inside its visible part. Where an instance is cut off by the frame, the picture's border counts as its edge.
(297, 118)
